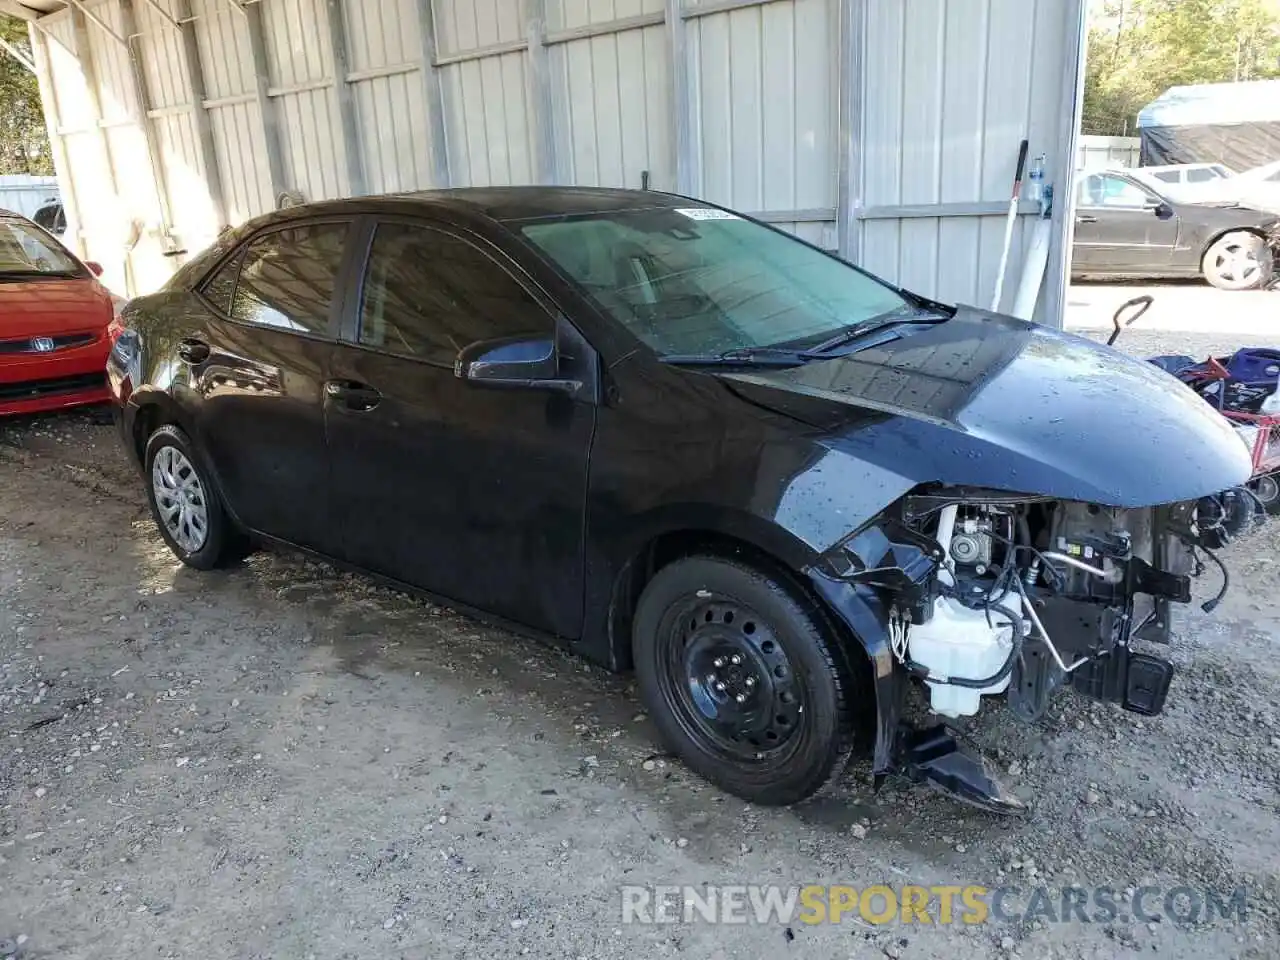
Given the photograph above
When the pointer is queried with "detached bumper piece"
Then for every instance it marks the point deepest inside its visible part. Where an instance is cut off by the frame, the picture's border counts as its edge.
(1138, 682)
(935, 757)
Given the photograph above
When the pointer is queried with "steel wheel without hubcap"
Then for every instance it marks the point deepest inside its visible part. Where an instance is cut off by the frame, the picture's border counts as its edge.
(729, 681)
(180, 499)
(742, 680)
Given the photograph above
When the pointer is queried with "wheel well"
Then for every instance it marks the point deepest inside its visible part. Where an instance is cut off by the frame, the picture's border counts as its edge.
(674, 545)
(1256, 231)
(148, 420)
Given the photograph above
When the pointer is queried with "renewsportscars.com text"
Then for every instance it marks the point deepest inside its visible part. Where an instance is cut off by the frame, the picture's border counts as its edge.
(937, 904)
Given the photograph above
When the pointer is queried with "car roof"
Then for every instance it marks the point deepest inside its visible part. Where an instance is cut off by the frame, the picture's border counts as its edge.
(495, 203)
(1163, 168)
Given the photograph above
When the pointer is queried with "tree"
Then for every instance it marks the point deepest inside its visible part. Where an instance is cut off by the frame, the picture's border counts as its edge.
(1140, 48)
(24, 143)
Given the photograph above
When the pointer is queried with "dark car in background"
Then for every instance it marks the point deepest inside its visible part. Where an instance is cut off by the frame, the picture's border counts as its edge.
(678, 440)
(1127, 228)
(52, 217)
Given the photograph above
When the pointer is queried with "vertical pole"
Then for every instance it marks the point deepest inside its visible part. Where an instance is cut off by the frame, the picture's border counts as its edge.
(57, 146)
(679, 97)
(266, 106)
(1063, 167)
(540, 100)
(199, 115)
(141, 109)
(433, 92)
(84, 54)
(356, 184)
(850, 37)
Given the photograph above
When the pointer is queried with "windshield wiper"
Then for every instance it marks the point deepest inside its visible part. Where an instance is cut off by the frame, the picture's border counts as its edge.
(742, 356)
(898, 317)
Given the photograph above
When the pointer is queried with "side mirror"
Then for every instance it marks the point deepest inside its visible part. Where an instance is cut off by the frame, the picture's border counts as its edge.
(529, 363)
(1162, 210)
(94, 267)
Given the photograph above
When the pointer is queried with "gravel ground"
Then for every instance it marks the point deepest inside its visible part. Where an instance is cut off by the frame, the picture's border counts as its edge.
(284, 761)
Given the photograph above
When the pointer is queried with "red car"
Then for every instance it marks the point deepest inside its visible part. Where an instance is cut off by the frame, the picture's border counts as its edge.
(55, 320)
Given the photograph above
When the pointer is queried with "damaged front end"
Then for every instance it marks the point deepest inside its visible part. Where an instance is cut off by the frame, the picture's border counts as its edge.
(978, 593)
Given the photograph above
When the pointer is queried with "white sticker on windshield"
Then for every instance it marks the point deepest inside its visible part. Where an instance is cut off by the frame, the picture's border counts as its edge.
(705, 213)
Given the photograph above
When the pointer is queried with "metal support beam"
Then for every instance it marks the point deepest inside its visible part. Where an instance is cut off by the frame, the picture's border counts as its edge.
(722, 6)
(17, 55)
(194, 69)
(140, 107)
(1063, 167)
(84, 54)
(913, 211)
(678, 95)
(345, 100)
(57, 147)
(540, 99)
(850, 37)
(98, 22)
(433, 96)
(163, 14)
(606, 29)
(15, 9)
(266, 107)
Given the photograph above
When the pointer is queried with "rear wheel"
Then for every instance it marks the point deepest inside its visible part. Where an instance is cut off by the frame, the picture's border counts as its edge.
(185, 506)
(1267, 489)
(1238, 261)
(741, 681)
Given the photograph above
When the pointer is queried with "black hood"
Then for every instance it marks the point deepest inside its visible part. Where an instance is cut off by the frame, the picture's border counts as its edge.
(996, 402)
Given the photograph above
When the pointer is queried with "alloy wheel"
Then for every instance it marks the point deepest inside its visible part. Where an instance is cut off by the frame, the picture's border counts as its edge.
(180, 497)
(1236, 263)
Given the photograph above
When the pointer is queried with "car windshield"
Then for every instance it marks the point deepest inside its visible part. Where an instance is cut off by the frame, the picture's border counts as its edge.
(26, 251)
(699, 280)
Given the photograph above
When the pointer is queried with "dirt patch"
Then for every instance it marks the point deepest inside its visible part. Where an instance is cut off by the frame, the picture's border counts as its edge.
(281, 760)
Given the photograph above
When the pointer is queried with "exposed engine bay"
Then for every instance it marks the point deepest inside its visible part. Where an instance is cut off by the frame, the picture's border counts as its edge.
(991, 595)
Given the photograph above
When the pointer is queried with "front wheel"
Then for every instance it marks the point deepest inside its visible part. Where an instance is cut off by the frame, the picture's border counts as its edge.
(741, 680)
(1239, 260)
(184, 504)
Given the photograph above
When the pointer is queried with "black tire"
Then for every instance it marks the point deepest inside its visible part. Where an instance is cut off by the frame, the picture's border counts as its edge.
(797, 733)
(220, 543)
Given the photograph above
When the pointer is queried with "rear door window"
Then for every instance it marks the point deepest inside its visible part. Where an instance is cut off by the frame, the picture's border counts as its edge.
(288, 278)
(221, 284)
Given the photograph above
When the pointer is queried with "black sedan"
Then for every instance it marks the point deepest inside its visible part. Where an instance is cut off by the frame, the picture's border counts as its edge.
(678, 440)
(1126, 229)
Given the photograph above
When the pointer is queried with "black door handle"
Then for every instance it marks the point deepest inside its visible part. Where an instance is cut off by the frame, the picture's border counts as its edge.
(1085, 218)
(193, 350)
(353, 396)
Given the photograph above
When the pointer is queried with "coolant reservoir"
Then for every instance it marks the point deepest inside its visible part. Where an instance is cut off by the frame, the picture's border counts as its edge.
(957, 642)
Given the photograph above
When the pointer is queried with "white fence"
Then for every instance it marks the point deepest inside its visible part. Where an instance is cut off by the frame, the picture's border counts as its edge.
(26, 194)
(1098, 153)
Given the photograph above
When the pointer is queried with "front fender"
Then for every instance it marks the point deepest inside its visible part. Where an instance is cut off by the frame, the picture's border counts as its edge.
(865, 620)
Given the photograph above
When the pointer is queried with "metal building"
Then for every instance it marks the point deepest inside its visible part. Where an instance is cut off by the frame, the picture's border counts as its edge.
(886, 129)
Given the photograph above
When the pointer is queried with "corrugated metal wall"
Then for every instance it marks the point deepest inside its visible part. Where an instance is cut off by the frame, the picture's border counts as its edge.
(886, 127)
